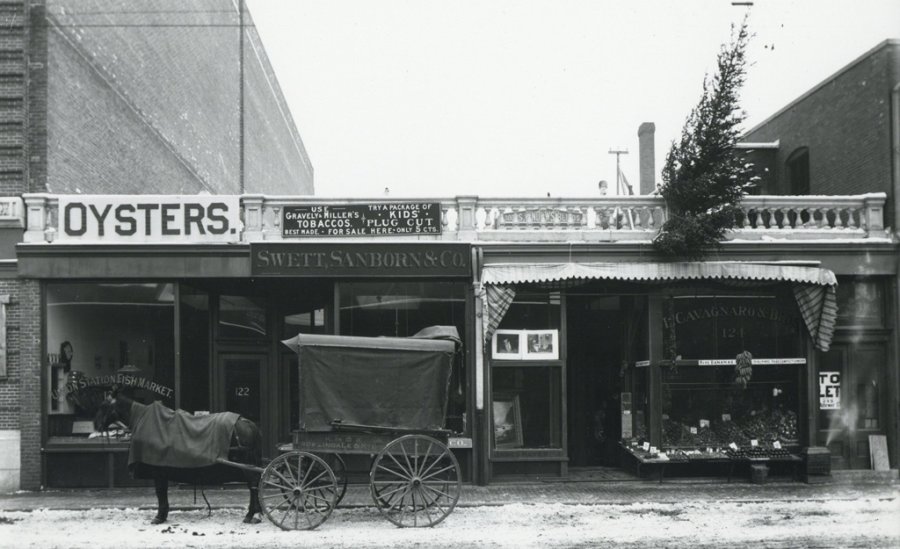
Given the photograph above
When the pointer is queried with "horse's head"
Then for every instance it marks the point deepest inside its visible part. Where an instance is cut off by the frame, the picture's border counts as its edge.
(107, 413)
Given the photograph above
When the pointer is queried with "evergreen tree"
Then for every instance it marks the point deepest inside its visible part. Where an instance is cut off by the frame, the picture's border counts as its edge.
(705, 177)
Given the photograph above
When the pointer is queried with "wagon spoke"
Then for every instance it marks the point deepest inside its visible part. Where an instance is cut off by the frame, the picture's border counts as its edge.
(301, 487)
(434, 503)
(279, 475)
(409, 466)
(275, 495)
(407, 470)
(283, 501)
(320, 475)
(437, 492)
(428, 508)
(434, 462)
(313, 495)
(391, 492)
(422, 470)
(401, 474)
(415, 481)
(438, 472)
(300, 468)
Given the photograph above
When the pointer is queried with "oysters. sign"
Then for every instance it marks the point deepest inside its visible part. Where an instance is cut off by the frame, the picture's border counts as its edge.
(149, 218)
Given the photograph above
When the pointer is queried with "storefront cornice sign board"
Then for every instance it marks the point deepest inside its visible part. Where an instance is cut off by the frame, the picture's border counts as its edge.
(380, 219)
(356, 260)
(130, 219)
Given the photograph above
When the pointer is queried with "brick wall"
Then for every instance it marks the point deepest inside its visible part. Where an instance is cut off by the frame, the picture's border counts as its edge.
(20, 392)
(13, 39)
(149, 102)
(845, 123)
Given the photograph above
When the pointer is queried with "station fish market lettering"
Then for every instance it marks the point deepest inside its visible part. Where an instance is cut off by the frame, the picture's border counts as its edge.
(404, 218)
(149, 218)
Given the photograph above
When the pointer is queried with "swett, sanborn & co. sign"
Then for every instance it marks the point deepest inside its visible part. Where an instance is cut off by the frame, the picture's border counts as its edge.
(149, 218)
(414, 259)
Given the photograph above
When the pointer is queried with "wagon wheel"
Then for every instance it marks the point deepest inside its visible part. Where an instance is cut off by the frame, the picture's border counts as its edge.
(339, 468)
(297, 491)
(415, 481)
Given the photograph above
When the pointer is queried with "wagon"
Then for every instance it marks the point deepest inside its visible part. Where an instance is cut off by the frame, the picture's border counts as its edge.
(384, 397)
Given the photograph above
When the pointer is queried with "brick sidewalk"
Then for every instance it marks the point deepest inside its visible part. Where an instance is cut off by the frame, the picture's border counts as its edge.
(572, 492)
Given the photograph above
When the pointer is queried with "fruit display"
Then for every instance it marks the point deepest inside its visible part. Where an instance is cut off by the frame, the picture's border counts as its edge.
(765, 427)
(758, 452)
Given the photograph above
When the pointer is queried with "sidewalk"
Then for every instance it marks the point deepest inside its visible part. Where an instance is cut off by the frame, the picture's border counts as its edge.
(841, 486)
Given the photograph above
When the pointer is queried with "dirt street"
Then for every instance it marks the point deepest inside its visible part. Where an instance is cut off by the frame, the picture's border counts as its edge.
(860, 522)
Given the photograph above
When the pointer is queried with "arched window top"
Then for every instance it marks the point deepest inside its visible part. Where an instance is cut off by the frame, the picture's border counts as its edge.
(797, 169)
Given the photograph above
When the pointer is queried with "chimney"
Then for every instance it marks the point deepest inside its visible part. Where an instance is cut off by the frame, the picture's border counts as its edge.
(647, 152)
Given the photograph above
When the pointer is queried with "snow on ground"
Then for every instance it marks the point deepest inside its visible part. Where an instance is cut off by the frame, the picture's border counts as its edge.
(860, 523)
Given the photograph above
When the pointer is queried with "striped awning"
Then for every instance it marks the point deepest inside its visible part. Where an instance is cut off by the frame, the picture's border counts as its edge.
(814, 288)
(512, 273)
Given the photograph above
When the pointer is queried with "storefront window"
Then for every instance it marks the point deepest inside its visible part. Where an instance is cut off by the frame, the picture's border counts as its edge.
(195, 328)
(860, 302)
(241, 317)
(710, 406)
(99, 335)
(732, 373)
(526, 407)
(526, 374)
(721, 327)
(306, 317)
(400, 309)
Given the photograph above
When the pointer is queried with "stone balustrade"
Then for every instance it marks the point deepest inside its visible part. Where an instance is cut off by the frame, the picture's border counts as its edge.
(608, 218)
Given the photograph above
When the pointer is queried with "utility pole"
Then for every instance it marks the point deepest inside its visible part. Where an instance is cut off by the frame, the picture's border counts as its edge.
(241, 96)
(622, 188)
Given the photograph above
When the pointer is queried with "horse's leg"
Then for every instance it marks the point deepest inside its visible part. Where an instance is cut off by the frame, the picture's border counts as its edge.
(162, 499)
(253, 508)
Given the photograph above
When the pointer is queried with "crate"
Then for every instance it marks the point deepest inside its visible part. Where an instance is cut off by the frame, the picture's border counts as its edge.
(818, 460)
(759, 474)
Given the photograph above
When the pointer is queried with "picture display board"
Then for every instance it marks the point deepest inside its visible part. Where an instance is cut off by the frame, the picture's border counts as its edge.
(525, 345)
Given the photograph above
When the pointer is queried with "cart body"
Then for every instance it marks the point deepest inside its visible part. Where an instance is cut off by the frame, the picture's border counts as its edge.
(381, 396)
(388, 382)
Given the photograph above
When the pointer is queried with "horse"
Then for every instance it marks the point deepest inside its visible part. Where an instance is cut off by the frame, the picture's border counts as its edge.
(245, 448)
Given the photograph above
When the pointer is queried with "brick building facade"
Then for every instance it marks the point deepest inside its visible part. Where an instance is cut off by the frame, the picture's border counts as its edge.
(99, 97)
(840, 137)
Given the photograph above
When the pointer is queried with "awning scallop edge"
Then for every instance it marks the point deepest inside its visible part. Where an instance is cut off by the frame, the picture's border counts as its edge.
(510, 273)
(814, 287)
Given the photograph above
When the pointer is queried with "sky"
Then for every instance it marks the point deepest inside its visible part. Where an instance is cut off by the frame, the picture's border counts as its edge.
(501, 98)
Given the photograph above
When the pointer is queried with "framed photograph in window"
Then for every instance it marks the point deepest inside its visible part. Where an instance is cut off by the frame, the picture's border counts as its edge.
(507, 421)
(541, 345)
(507, 345)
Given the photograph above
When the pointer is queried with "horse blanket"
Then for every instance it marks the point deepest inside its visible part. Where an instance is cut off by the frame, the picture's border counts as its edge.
(168, 438)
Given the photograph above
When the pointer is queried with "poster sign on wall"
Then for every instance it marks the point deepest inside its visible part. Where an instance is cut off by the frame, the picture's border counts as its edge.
(382, 219)
(125, 219)
(829, 390)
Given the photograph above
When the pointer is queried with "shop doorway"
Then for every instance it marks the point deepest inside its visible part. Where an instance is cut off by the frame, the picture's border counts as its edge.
(594, 379)
(852, 403)
(239, 387)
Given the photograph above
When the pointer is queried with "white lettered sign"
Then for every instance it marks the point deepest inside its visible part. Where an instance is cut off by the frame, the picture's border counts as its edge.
(126, 219)
(829, 390)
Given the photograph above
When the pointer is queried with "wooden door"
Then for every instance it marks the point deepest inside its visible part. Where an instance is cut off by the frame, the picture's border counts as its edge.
(845, 424)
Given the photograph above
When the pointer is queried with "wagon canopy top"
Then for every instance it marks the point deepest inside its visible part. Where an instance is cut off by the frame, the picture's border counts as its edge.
(393, 382)
(433, 338)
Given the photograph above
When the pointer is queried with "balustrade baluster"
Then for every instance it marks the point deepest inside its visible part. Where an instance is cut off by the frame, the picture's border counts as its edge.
(851, 217)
